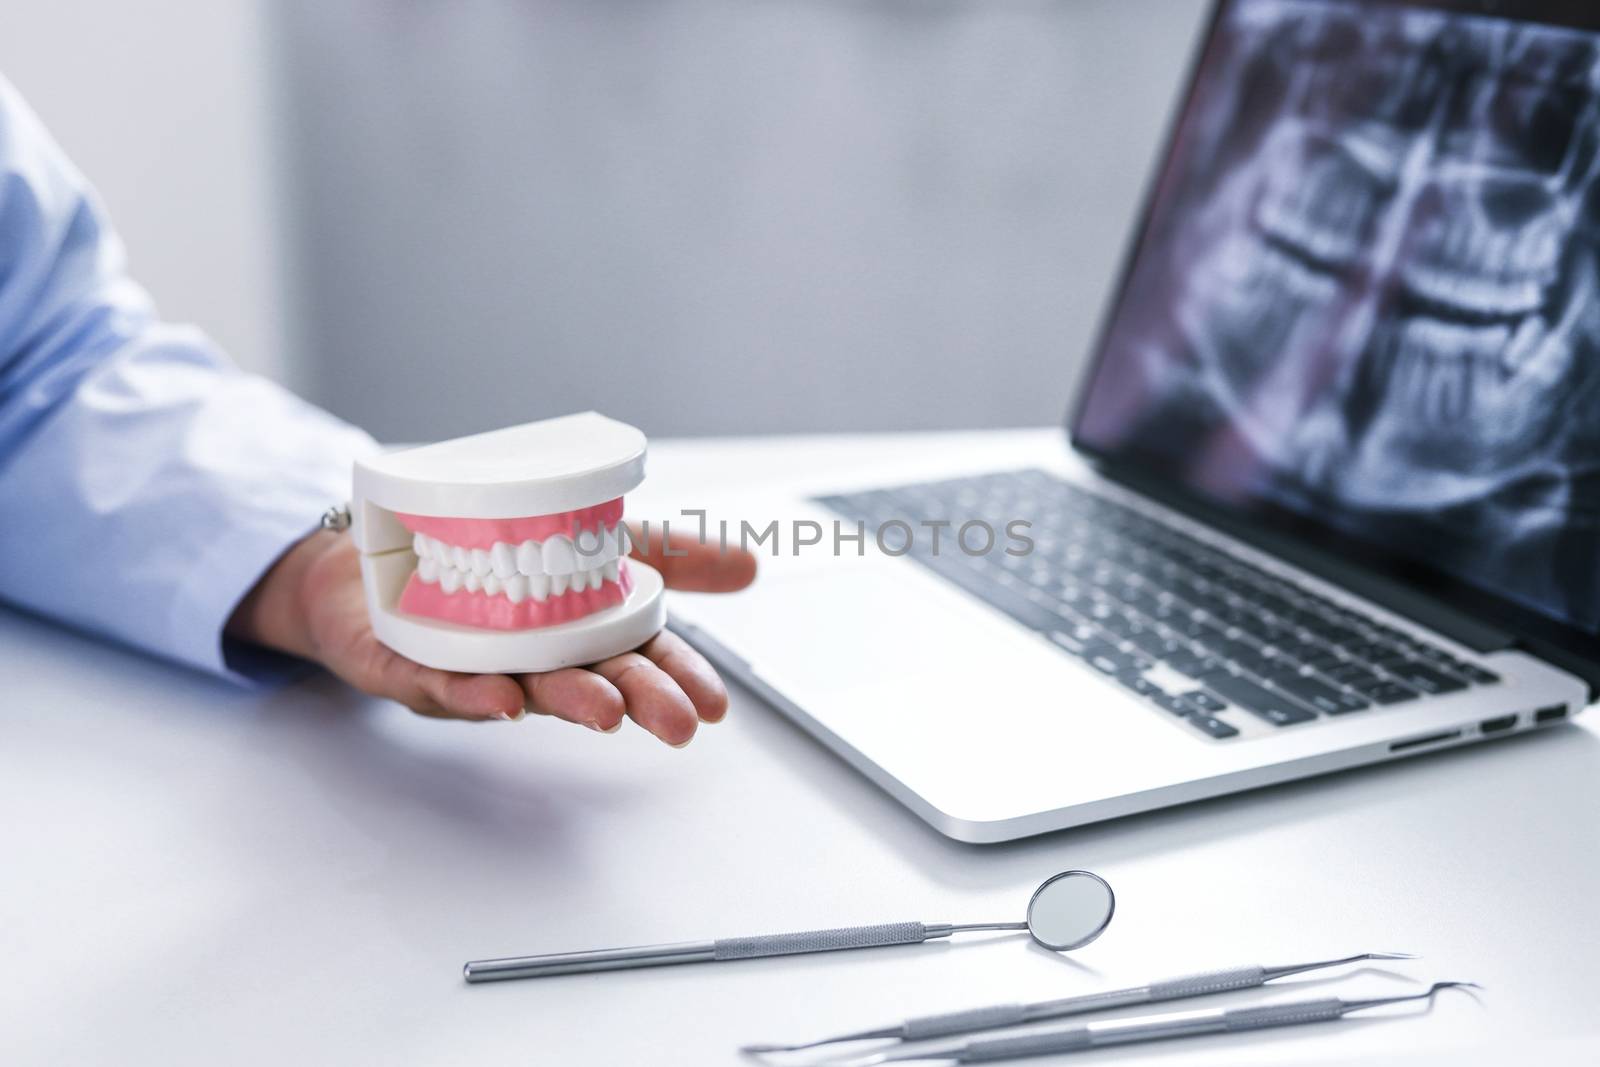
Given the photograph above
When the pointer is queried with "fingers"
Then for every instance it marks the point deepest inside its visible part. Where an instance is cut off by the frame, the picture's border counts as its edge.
(666, 687)
(689, 669)
(687, 564)
(445, 694)
(576, 695)
(655, 701)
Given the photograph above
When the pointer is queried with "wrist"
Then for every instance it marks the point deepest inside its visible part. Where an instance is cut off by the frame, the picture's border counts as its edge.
(275, 612)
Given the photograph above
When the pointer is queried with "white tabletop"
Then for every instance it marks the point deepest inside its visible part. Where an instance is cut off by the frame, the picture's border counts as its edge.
(194, 874)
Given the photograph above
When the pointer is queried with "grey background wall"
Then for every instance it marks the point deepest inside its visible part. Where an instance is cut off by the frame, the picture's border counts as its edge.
(701, 215)
(716, 215)
(170, 107)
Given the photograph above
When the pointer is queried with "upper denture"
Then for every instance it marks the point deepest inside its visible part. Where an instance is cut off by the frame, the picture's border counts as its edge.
(485, 533)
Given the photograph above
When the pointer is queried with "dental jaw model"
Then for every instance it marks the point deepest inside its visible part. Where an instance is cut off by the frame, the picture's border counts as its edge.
(504, 552)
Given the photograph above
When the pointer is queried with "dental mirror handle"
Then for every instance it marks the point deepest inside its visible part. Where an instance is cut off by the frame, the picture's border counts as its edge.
(727, 948)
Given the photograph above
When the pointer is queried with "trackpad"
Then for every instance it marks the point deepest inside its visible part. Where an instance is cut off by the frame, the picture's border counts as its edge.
(891, 629)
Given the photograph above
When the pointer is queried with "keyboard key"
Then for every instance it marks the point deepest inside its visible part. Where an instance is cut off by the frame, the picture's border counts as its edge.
(1138, 683)
(1263, 703)
(1234, 650)
(1372, 651)
(1325, 698)
(1418, 676)
(1481, 675)
(1204, 700)
(1108, 658)
(1153, 644)
(1068, 641)
(1211, 725)
(1171, 703)
(1389, 693)
(1353, 674)
(1192, 664)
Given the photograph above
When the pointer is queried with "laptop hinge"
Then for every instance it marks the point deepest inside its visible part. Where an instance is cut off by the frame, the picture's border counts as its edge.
(1586, 669)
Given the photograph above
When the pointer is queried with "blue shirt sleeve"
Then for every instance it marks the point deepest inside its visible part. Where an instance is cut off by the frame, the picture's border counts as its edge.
(145, 482)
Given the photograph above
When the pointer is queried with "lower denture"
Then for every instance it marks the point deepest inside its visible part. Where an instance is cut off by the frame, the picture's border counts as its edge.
(504, 574)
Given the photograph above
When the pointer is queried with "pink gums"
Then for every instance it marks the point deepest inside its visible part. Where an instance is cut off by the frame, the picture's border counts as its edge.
(498, 612)
(483, 533)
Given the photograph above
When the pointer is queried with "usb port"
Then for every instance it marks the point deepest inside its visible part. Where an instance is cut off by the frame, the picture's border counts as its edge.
(1554, 713)
(1497, 725)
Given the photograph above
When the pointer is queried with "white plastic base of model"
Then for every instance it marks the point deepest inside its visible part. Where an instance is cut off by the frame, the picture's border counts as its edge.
(450, 647)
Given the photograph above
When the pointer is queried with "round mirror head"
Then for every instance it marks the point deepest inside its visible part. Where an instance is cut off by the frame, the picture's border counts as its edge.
(1070, 910)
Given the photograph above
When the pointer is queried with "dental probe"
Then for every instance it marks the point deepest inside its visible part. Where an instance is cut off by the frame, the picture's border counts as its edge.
(1058, 1039)
(995, 1016)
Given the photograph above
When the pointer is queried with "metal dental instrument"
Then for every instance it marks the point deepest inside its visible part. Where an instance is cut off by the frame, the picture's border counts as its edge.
(995, 1016)
(1045, 1041)
(1067, 911)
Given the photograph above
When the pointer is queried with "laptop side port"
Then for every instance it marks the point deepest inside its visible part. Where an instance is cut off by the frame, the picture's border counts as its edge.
(1554, 713)
(1430, 739)
(1499, 724)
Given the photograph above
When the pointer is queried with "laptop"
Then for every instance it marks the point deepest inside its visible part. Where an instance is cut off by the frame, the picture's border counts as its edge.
(1329, 491)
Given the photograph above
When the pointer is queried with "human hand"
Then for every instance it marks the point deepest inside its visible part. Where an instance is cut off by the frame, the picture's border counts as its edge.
(311, 604)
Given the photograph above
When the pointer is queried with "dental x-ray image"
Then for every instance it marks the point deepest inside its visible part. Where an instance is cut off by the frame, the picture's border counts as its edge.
(1366, 291)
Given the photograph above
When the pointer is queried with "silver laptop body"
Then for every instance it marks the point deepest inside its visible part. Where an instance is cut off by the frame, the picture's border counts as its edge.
(1331, 485)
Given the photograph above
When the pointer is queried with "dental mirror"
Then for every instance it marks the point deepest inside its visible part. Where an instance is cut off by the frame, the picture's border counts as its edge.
(1067, 911)
(1070, 910)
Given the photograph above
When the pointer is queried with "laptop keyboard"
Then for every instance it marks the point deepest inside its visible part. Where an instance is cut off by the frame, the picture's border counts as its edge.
(1144, 604)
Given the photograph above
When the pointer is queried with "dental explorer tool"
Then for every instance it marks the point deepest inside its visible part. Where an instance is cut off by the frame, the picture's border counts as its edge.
(1067, 911)
(994, 1016)
(1141, 1028)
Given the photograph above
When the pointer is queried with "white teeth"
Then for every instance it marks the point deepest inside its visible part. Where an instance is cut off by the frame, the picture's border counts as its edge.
(558, 565)
(559, 557)
(590, 546)
(624, 541)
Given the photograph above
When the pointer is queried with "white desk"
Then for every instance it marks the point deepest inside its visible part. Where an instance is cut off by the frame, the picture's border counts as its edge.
(192, 874)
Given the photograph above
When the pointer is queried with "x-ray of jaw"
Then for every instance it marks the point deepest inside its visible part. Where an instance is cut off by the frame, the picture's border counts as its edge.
(1368, 290)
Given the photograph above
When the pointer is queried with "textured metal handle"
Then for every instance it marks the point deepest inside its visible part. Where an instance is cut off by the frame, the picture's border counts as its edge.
(1305, 1011)
(744, 948)
(961, 1022)
(982, 1050)
(1198, 985)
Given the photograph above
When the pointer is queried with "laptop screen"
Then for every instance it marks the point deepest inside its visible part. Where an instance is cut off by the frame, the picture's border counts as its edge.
(1365, 292)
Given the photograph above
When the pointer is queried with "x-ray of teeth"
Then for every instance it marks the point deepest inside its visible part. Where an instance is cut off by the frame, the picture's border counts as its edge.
(1367, 291)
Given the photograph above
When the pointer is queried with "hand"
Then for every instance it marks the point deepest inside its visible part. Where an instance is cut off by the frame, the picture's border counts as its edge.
(311, 604)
